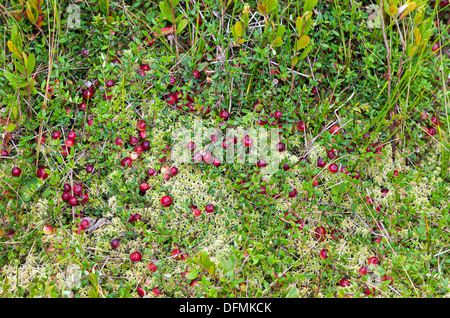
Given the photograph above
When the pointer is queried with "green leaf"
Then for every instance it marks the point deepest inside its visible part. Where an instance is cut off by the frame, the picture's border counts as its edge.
(11, 78)
(278, 42)
(280, 30)
(102, 5)
(10, 127)
(183, 23)
(303, 42)
(305, 52)
(19, 67)
(192, 275)
(166, 10)
(309, 5)
(31, 63)
(299, 24)
(293, 293)
(272, 5)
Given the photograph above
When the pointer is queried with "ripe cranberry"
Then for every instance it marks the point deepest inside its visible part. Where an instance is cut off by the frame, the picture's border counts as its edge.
(224, 115)
(41, 173)
(88, 93)
(216, 162)
(167, 177)
(190, 146)
(151, 171)
(144, 187)
(90, 122)
(335, 130)
(350, 148)
(83, 106)
(89, 168)
(146, 145)
(139, 149)
(333, 168)
(444, 3)
(321, 163)
(301, 125)
(145, 68)
(109, 83)
(64, 151)
(315, 182)
(355, 175)
(67, 187)
(344, 283)
(374, 260)
(71, 135)
(261, 163)
(396, 173)
(16, 172)
(65, 196)
(209, 208)
(174, 171)
(376, 240)
(137, 217)
(85, 198)
(196, 74)
(69, 142)
(141, 125)
(198, 158)
(135, 257)
(208, 157)
(362, 271)
(262, 121)
(84, 223)
(77, 189)
(258, 107)
(335, 235)
(384, 191)
(141, 291)
(435, 121)
(126, 162)
(324, 254)
(247, 141)
(115, 243)
(197, 213)
(176, 254)
(286, 166)
(119, 141)
(431, 131)
(133, 140)
(198, 21)
(278, 114)
(331, 154)
(435, 47)
(170, 99)
(293, 193)
(73, 201)
(56, 135)
(320, 232)
(281, 146)
(314, 91)
(384, 278)
(166, 201)
(156, 291)
(369, 291)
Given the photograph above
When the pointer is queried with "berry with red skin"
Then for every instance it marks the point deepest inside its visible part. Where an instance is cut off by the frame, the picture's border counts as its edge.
(141, 125)
(320, 232)
(209, 208)
(314, 91)
(301, 125)
(80, 229)
(258, 107)
(71, 135)
(69, 143)
(156, 291)
(262, 190)
(141, 291)
(83, 106)
(85, 198)
(190, 146)
(369, 200)
(369, 291)
(151, 172)
(431, 131)
(176, 254)
(321, 163)
(179, 96)
(144, 187)
(355, 175)
(390, 279)
(281, 147)
(198, 21)
(126, 162)
(344, 170)
(435, 120)
(137, 217)
(335, 236)
(331, 154)
(115, 244)
(196, 74)
(293, 193)
(145, 68)
(216, 162)
(89, 168)
(261, 163)
(152, 267)
(435, 47)
(278, 114)
(88, 93)
(384, 191)
(362, 271)
(67, 187)
(262, 121)
(247, 141)
(324, 254)
(73, 201)
(374, 260)
(170, 99)
(41, 173)
(208, 157)
(135, 257)
(444, 3)
(139, 149)
(65, 196)
(286, 166)
(350, 148)
(166, 201)
(198, 158)
(145, 145)
(333, 168)
(56, 135)
(16, 172)
(174, 171)
(376, 240)
(119, 141)
(395, 173)
(344, 283)
(141, 73)
(167, 177)
(197, 213)
(64, 151)
(335, 130)
(315, 182)
(84, 223)
(224, 115)
(133, 140)
(77, 189)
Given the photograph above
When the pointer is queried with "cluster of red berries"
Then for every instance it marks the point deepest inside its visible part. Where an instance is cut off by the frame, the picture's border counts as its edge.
(82, 226)
(197, 212)
(77, 191)
(138, 148)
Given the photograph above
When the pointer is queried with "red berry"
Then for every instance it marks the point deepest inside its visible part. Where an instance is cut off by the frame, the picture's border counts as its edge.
(209, 208)
(144, 187)
(156, 291)
(344, 283)
(293, 193)
(261, 163)
(126, 162)
(170, 99)
(320, 232)
(176, 254)
(133, 140)
(145, 68)
(369, 291)
(146, 145)
(115, 243)
(16, 172)
(109, 83)
(216, 162)
(77, 189)
(335, 130)
(83, 106)
(174, 171)
(321, 163)
(278, 114)
(65, 196)
(281, 147)
(374, 260)
(196, 74)
(151, 171)
(119, 141)
(84, 223)
(166, 201)
(141, 291)
(197, 212)
(73, 201)
(135, 257)
(224, 115)
(89, 168)
(333, 168)
(71, 135)
(324, 254)
(435, 47)
(152, 267)
(301, 125)
(56, 135)
(247, 141)
(390, 279)
(362, 271)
